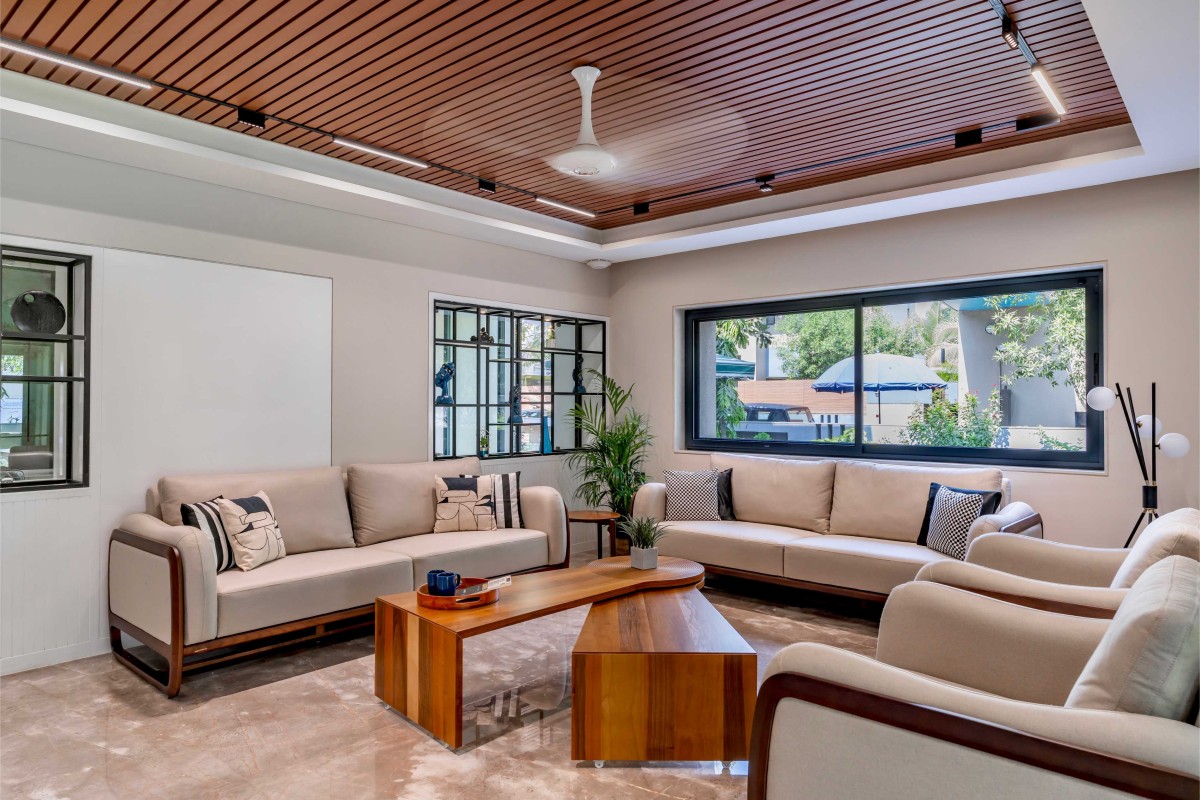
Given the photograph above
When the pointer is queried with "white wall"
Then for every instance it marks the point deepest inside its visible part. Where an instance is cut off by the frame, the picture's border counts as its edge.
(382, 276)
(1144, 233)
(194, 368)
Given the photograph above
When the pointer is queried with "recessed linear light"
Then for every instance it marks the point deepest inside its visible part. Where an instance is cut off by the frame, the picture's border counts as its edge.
(74, 63)
(1009, 31)
(1039, 75)
(375, 151)
(255, 119)
(565, 207)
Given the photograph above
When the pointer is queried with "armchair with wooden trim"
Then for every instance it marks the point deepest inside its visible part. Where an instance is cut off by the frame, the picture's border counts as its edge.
(1068, 579)
(971, 696)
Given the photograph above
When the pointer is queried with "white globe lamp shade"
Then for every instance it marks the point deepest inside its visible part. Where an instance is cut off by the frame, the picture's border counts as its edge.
(1174, 445)
(1101, 398)
(1144, 426)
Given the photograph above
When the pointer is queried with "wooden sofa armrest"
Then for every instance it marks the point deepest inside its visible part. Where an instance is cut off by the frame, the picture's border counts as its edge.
(1114, 772)
(1026, 523)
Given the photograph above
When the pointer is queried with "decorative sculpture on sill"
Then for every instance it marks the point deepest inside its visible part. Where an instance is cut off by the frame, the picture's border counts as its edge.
(1147, 426)
(483, 337)
(514, 404)
(577, 374)
(442, 381)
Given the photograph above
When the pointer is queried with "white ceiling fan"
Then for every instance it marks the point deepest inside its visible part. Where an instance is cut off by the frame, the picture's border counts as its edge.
(587, 158)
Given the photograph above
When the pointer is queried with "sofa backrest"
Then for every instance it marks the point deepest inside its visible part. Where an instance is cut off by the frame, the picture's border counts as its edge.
(391, 501)
(886, 501)
(310, 504)
(779, 491)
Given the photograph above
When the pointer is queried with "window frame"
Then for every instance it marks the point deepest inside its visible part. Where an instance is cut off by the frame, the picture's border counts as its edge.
(1091, 458)
(516, 314)
(78, 458)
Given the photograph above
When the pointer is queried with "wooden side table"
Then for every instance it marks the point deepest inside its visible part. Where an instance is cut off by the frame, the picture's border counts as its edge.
(600, 519)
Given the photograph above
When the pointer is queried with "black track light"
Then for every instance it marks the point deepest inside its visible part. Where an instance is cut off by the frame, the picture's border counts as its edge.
(487, 187)
(968, 138)
(1008, 29)
(255, 119)
(764, 183)
(641, 208)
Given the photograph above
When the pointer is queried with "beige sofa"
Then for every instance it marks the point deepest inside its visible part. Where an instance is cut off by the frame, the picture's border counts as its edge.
(846, 527)
(350, 536)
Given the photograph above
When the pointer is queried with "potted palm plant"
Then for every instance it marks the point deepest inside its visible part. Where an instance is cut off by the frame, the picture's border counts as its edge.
(643, 533)
(616, 439)
(484, 441)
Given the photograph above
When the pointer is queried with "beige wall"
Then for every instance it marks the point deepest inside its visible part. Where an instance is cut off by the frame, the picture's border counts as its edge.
(1144, 232)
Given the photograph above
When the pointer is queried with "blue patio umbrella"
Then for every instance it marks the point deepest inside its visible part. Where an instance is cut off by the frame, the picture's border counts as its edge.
(882, 372)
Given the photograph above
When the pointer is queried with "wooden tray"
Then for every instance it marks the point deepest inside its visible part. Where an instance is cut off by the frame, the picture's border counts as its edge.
(455, 602)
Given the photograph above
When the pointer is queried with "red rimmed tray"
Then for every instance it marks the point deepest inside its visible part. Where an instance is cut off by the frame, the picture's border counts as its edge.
(457, 602)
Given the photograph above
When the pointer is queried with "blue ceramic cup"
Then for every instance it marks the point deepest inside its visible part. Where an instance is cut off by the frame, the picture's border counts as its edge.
(431, 579)
(446, 583)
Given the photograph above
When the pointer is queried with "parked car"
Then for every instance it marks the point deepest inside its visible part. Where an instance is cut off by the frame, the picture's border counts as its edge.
(777, 412)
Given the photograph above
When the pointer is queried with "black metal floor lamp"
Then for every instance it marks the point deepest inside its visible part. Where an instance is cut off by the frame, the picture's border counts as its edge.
(1173, 445)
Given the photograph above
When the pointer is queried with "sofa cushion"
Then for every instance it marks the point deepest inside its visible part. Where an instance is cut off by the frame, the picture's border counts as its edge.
(885, 501)
(308, 584)
(736, 544)
(1147, 661)
(474, 554)
(780, 491)
(1174, 534)
(856, 562)
(310, 504)
(393, 500)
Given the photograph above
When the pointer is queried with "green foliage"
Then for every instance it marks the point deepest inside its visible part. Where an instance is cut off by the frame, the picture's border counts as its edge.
(845, 437)
(1060, 318)
(484, 439)
(734, 335)
(643, 532)
(762, 436)
(962, 424)
(1048, 442)
(615, 444)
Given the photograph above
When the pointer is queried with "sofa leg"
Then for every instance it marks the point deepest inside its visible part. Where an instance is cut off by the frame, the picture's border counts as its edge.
(166, 681)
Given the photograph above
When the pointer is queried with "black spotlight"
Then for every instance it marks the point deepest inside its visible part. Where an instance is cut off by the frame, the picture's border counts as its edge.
(255, 119)
(487, 187)
(764, 183)
(641, 208)
(1009, 31)
(1036, 121)
(968, 138)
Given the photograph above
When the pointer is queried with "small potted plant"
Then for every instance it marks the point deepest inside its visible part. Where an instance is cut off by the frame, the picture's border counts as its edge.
(643, 533)
(484, 441)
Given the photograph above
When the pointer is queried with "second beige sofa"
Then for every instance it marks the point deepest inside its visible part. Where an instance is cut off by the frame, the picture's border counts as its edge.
(846, 527)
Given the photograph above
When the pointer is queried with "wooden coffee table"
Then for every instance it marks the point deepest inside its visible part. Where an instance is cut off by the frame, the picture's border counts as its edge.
(661, 676)
(418, 651)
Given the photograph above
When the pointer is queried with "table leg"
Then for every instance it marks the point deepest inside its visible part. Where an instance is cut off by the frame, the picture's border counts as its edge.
(418, 672)
(599, 540)
(612, 537)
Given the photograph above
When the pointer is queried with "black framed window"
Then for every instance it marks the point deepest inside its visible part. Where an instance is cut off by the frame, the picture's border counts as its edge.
(44, 351)
(991, 372)
(508, 378)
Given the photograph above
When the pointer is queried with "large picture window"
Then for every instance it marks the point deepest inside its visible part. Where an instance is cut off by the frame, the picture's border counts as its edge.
(44, 300)
(991, 372)
(507, 379)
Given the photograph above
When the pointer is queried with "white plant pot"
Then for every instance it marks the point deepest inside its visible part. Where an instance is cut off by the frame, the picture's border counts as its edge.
(643, 557)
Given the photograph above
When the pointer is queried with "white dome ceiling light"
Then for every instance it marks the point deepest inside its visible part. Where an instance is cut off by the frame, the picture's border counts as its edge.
(587, 158)
(599, 263)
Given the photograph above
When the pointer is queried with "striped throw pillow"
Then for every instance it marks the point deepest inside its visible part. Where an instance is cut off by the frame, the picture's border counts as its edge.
(207, 517)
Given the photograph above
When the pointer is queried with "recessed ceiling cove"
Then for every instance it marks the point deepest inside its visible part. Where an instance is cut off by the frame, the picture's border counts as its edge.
(692, 105)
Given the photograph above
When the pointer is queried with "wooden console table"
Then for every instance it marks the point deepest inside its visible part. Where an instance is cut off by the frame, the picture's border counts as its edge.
(418, 651)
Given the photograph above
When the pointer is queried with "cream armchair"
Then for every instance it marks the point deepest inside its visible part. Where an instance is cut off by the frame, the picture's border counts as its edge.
(1083, 581)
(969, 697)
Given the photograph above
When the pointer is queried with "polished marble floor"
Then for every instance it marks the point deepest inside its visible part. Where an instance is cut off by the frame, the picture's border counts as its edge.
(306, 724)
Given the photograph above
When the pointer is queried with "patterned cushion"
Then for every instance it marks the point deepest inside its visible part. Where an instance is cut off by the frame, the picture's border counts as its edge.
(949, 516)
(207, 517)
(506, 491)
(252, 529)
(692, 496)
(464, 503)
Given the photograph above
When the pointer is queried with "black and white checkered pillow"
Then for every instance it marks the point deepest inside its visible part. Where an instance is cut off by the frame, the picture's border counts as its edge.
(949, 516)
(692, 496)
(207, 517)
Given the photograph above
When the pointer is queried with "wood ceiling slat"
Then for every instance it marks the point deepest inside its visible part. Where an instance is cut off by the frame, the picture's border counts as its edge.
(609, 115)
(811, 82)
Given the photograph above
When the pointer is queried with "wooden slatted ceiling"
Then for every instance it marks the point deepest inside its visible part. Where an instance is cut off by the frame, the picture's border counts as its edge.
(693, 94)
